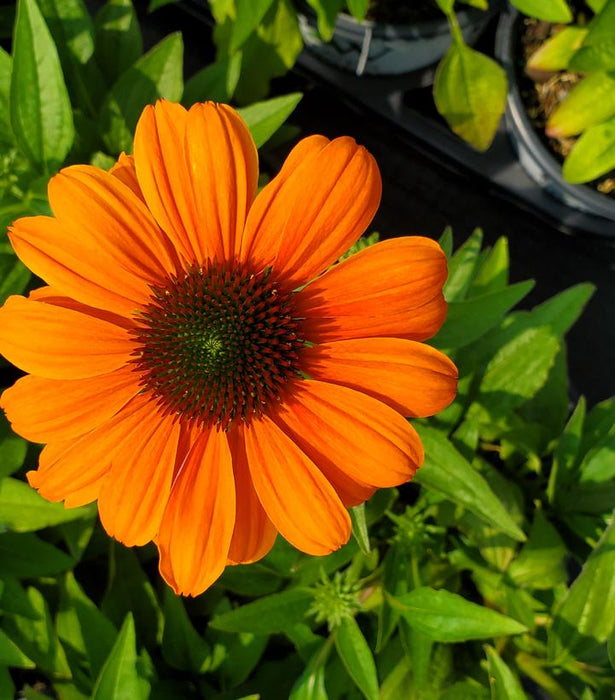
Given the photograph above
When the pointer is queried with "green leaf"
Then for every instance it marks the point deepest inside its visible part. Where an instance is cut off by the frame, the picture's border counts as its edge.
(468, 320)
(504, 684)
(540, 564)
(586, 616)
(25, 555)
(556, 52)
(243, 653)
(118, 39)
(130, 591)
(11, 654)
(12, 448)
(446, 242)
(157, 74)
(157, 4)
(470, 93)
(448, 473)
(517, 371)
(357, 657)
(492, 273)
(37, 638)
(14, 276)
(216, 82)
(593, 154)
(590, 102)
(182, 647)
(23, 510)
(41, 113)
(119, 678)
(81, 625)
(462, 266)
(7, 687)
(72, 28)
(611, 649)
(548, 10)
(270, 51)
(598, 50)
(359, 528)
(326, 16)
(265, 118)
(447, 617)
(249, 15)
(566, 452)
(311, 683)
(358, 8)
(6, 67)
(274, 613)
(14, 599)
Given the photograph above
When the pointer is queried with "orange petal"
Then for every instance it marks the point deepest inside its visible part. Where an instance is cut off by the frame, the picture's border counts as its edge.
(136, 489)
(58, 343)
(415, 379)
(295, 494)
(51, 296)
(393, 288)
(197, 526)
(255, 247)
(338, 427)
(52, 410)
(72, 467)
(97, 207)
(254, 533)
(317, 212)
(163, 174)
(125, 171)
(223, 166)
(76, 265)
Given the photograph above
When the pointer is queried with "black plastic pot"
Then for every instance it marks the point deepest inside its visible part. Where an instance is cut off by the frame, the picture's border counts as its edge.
(368, 48)
(541, 166)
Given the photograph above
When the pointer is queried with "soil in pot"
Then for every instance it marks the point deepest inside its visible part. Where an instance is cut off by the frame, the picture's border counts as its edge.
(543, 92)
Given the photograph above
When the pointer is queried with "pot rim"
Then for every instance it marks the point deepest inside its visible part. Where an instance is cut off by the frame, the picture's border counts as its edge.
(466, 15)
(599, 203)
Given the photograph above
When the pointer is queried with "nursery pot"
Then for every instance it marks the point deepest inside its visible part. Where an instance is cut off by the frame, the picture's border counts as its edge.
(369, 48)
(537, 161)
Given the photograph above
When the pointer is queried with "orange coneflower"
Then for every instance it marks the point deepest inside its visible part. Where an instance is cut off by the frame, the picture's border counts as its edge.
(194, 364)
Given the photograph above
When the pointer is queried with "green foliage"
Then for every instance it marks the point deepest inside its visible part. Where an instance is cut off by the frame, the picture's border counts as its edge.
(470, 92)
(516, 486)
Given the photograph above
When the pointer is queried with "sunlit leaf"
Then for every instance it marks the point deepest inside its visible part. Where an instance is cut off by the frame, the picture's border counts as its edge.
(118, 678)
(41, 113)
(357, 657)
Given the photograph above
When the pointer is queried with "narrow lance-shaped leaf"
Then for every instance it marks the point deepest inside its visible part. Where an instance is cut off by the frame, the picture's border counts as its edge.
(470, 93)
(248, 16)
(548, 10)
(593, 155)
(23, 510)
(598, 50)
(359, 528)
(448, 617)
(311, 683)
(586, 617)
(265, 118)
(462, 266)
(590, 102)
(119, 678)
(157, 74)
(72, 28)
(504, 684)
(182, 647)
(216, 82)
(41, 113)
(6, 66)
(556, 52)
(357, 657)
(274, 613)
(448, 473)
(471, 318)
(118, 38)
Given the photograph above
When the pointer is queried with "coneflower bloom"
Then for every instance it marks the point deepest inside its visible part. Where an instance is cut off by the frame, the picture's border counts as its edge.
(200, 365)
